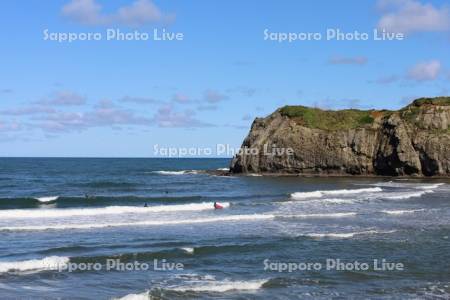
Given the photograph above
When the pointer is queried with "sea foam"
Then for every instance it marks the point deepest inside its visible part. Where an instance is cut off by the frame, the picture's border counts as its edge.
(188, 250)
(346, 235)
(222, 286)
(141, 296)
(183, 172)
(323, 215)
(47, 199)
(254, 217)
(407, 195)
(401, 212)
(47, 263)
(317, 194)
(109, 210)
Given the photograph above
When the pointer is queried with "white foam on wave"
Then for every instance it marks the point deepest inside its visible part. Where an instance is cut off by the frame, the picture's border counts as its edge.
(420, 186)
(430, 187)
(223, 169)
(339, 201)
(195, 277)
(324, 200)
(401, 212)
(47, 199)
(254, 217)
(108, 210)
(183, 172)
(318, 194)
(210, 286)
(345, 235)
(323, 215)
(47, 263)
(222, 286)
(141, 296)
(188, 250)
(407, 195)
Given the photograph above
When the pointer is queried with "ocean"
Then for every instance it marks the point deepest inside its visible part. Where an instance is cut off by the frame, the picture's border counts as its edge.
(77, 228)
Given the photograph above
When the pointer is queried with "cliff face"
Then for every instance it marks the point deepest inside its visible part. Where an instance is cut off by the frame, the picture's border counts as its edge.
(414, 141)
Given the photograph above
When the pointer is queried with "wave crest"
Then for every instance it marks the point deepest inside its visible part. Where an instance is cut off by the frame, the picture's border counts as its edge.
(318, 194)
(254, 217)
(109, 210)
(223, 286)
(47, 263)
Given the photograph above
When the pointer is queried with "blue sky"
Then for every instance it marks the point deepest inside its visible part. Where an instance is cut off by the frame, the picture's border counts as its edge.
(120, 98)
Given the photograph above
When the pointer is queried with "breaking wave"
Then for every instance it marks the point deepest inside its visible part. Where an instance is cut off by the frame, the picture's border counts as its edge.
(183, 172)
(188, 250)
(109, 210)
(421, 186)
(47, 263)
(101, 200)
(47, 199)
(222, 286)
(323, 215)
(318, 194)
(346, 235)
(401, 212)
(211, 286)
(254, 217)
(142, 296)
(407, 195)
(430, 187)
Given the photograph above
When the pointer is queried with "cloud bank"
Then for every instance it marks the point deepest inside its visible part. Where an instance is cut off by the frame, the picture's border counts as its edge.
(407, 16)
(138, 13)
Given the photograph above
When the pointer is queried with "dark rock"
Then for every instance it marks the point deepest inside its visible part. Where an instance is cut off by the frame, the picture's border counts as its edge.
(413, 141)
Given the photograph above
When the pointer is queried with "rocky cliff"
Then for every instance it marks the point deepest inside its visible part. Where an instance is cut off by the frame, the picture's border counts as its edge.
(413, 141)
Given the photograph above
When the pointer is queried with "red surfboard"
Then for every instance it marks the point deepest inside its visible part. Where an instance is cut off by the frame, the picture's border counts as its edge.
(217, 206)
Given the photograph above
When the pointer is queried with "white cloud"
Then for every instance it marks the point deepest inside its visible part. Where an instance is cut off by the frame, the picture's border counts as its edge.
(87, 12)
(11, 126)
(387, 79)
(27, 110)
(139, 12)
(423, 71)
(181, 98)
(67, 98)
(408, 16)
(213, 96)
(166, 116)
(63, 98)
(105, 113)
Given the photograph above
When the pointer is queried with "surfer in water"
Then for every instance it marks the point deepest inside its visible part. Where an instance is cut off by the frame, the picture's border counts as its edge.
(145, 205)
(217, 206)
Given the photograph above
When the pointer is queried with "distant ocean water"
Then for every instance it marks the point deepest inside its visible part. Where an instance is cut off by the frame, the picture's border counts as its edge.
(55, 212)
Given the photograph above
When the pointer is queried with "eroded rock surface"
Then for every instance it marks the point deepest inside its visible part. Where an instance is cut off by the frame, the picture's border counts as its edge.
(413, 141)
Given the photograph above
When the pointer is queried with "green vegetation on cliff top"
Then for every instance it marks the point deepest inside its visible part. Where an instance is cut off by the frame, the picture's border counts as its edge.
(411, 112)
(431, 101)
(327, 119)
(351, 118)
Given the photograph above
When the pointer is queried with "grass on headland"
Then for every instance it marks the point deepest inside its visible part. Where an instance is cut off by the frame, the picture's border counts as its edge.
(443, 101)
(326, 119)
(354, 118)
(411, 112)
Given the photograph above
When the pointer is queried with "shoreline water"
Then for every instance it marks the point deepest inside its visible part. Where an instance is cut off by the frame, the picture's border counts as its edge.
(56, 248)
